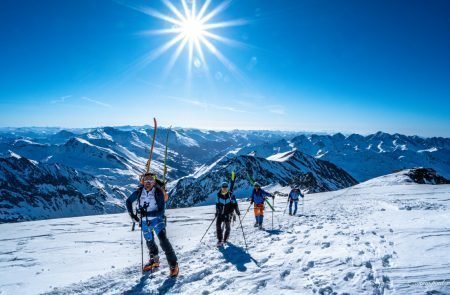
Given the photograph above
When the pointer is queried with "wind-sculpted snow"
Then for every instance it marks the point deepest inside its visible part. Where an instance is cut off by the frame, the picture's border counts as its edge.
(296, 169)
(358, 240)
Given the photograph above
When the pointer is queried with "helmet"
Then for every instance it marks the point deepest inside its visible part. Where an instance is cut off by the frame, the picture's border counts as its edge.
(224, 184)
(256, 184)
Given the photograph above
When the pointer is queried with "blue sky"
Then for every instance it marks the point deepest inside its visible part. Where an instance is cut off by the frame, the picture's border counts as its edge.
(349, 66)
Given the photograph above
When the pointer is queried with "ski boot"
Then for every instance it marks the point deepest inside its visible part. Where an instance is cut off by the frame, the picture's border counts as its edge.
(219, 244)
(260, 226)
(256, 224)
(152, 265)
(174, 270)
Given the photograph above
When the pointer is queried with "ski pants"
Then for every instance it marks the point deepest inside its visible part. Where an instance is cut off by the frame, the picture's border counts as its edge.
(295, 206)
(259, 213)
(158, 227)
(226, 219)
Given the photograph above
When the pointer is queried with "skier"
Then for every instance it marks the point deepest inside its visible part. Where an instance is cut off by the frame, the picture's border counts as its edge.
(293, 198)
(150, 205)
(258, 197)
(226, 205)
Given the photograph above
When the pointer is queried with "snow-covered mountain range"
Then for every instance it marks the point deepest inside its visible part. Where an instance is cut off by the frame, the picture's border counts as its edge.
(291, 168)
(366, 157)
(199, 159)
(33, 190)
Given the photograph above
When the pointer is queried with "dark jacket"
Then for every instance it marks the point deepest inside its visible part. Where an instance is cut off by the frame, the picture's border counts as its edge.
(135, 196)
(226, 204)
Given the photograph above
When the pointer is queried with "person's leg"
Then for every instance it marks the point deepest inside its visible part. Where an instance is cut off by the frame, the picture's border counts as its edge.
(261, 210)
(290, 207)
(256, 211)
(219, 228)
(167, 248)
(149, 239)
(152, 248)
(227, 229)
(295, 207)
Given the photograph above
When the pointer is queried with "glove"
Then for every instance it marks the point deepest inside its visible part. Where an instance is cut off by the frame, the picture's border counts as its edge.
(134, 217)
(251, 203)
(238, 213)
(273, 197)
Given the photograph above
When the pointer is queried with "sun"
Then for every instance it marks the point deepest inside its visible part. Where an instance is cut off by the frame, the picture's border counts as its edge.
(193, 32)
(192, 29)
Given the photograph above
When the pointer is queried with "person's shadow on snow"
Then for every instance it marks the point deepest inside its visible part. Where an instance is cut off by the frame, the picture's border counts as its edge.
(237, 256)
(273, 231)
(147, 280)
(167, 285)
(139, 287)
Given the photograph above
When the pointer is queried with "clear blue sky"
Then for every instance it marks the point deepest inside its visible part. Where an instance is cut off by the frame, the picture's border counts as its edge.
(349, 66)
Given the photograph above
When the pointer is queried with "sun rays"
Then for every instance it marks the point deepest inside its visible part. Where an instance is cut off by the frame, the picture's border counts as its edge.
(193, 32)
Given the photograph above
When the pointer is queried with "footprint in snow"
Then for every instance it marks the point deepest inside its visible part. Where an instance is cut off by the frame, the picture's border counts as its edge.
(285, 273)
(349, 276)
(289, 250)
(326, 245)
(385, 260)
(308, 266)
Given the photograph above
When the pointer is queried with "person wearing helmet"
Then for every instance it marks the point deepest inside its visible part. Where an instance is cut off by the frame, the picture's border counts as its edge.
(293, 198)
(226, 205)
(258, 197)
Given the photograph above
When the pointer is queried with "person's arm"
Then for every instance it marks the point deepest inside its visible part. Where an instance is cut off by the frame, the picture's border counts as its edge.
(129, 203)
(290, 196)
(252, 197)
(236, 206)
(266, 194)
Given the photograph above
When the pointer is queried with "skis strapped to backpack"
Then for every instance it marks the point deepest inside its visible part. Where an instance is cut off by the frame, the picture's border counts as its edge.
(149, 162)
(165, 155)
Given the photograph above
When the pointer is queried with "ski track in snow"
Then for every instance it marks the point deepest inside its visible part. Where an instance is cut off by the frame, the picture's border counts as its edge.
(368, 239)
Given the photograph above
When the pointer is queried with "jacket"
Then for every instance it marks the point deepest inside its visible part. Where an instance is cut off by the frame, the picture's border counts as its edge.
(226, 204)
(295, 194)
(159, 197)
(259, 196)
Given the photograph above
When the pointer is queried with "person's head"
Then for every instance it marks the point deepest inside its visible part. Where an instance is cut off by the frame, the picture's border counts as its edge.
(149, 180)
(256, 186)
(224, 187)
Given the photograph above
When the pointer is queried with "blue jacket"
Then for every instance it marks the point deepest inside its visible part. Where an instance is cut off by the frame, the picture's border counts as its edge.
(295, 194)
(159, 196)
(259, 196)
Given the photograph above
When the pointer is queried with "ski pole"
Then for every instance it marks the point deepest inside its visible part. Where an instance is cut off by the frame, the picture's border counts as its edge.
(142, 247)
(303, 207)
(243, 234)
(273, 202)
(287, 203)
(247, 211)
(208, 228)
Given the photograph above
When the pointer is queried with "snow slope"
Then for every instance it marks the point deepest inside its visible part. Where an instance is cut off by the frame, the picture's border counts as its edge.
(386, 236)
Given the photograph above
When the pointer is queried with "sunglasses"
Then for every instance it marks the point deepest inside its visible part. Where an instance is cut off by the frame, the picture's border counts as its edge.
(149, 181)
